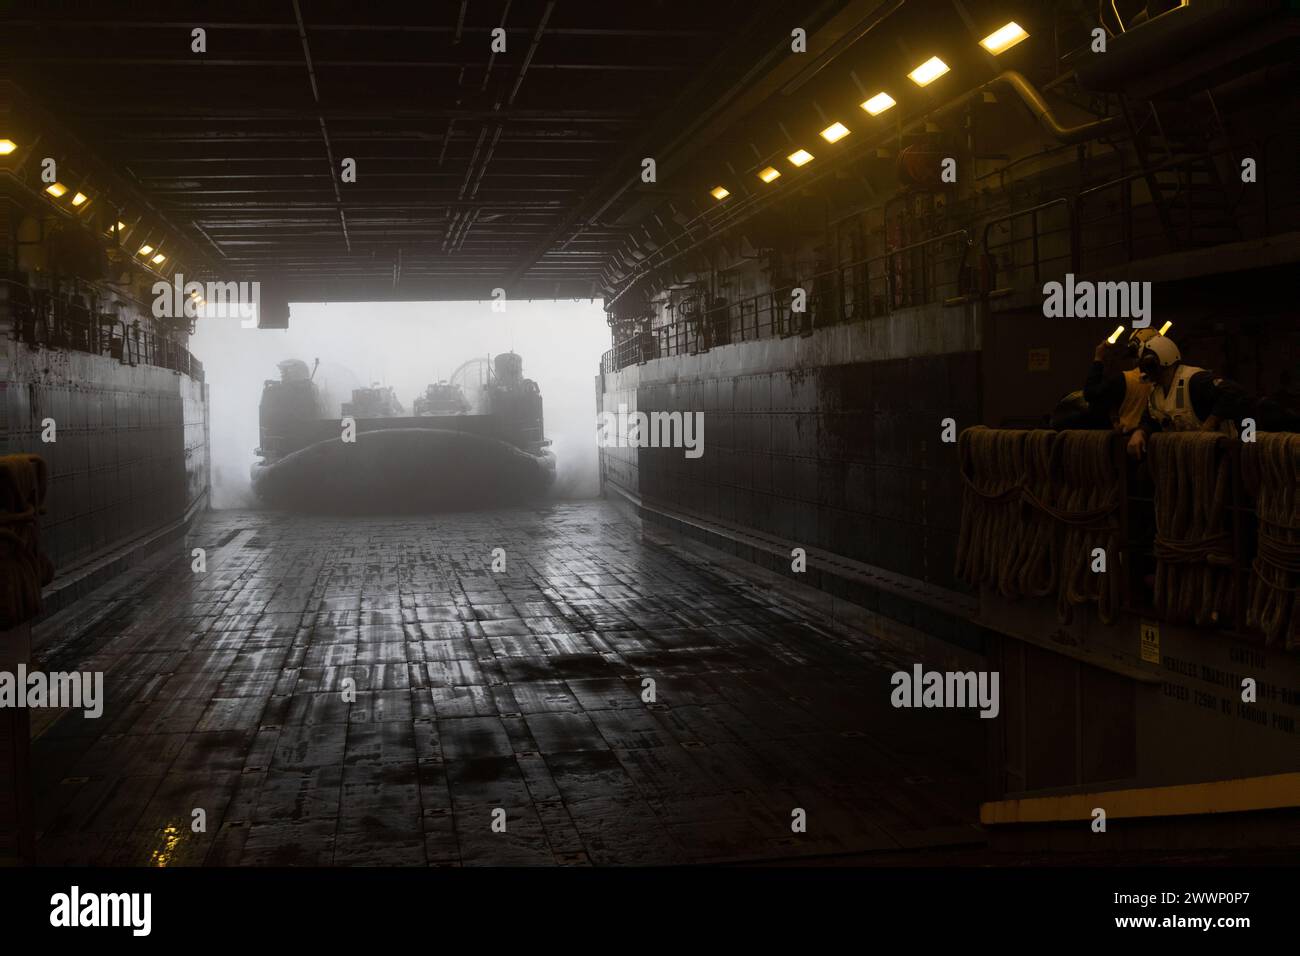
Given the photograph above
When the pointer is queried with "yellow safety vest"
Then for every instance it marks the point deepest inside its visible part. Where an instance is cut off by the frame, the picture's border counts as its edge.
(1136, 395)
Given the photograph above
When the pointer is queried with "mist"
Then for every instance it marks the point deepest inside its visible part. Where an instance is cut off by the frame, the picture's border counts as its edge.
(406, 345)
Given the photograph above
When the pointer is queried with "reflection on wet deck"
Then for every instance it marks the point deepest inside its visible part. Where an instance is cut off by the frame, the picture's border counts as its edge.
(521, 690)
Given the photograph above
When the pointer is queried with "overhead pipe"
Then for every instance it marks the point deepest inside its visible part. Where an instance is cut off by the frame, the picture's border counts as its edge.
(1172, 38)
(1043, 112)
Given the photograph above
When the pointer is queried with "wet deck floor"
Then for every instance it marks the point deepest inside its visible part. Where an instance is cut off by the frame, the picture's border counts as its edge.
(475, 691)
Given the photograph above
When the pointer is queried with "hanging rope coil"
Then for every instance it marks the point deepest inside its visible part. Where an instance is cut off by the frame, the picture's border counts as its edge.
(1194, 553)
(1270, 469)
(1036, 504)
(991, 470)
(24, 568)
(1090, 485)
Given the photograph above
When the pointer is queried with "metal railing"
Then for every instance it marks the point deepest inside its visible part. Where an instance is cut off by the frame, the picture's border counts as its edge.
(1040, 241)
(41, 320)
(919, 273)
(1100, 226)
(1114, 222)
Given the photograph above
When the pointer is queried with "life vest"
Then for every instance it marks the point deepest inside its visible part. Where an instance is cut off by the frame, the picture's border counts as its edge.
(1136, 395)
(1173, 409)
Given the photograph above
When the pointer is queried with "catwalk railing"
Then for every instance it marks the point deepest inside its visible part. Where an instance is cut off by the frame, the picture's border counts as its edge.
(917, 274)
(1118, 222)
(1101, 226)
(48, 322)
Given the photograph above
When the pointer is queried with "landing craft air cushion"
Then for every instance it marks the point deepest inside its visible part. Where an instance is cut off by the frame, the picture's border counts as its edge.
(450, 454)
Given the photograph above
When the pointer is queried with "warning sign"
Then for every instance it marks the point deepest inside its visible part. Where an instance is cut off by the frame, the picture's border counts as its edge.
(1149, 632)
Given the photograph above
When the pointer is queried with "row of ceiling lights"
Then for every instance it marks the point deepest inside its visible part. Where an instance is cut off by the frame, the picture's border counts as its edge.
(999, 41)
(80, 202)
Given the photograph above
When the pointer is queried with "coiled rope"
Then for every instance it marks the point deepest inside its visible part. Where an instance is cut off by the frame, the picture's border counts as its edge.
(1270, 468)
(24, 569)
(1035, 506)
(1194, 580)
(1090, 486)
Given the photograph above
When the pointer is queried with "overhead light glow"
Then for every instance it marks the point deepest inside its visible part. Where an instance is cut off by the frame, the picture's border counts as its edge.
(7, 146)
(1004, 38)
(928, 72)
(800, 156)
(769, 174)
(144, 250)
(719, 192)
(56, 189)
(78, 199)
(878, 104)
(158, 259)
(835, 132)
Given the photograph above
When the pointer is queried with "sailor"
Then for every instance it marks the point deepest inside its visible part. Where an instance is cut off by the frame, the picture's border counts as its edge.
(1111, 397)
(1120, 397)
(1184, 397)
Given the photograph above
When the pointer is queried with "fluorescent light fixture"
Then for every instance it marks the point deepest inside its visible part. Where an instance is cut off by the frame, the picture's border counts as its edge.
(928, 72)
(769, 174)
(800, 156)
(835, 132)
(719, 192)
(158, 259)
(56, 189)
(1004, 38)
(144, 250)
(878, 104)
(7, 146)
(1114, 336)
(79, 199)
(1166, 327)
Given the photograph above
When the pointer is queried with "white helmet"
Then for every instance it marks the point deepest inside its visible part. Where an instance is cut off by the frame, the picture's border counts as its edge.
(1158, 353)
(1140, 337)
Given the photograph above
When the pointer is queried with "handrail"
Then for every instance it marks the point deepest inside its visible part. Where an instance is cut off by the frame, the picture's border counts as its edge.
(768, 313)
(53, 323)
(1019, 213)
(1092, 239)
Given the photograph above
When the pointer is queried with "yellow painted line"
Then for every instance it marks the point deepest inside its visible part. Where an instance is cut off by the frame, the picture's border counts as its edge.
(1220, 796)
